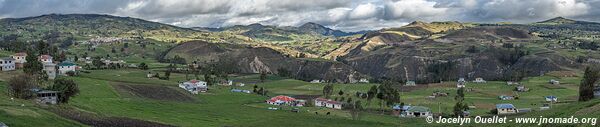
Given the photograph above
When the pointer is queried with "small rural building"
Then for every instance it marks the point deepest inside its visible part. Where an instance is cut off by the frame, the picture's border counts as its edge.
(503, 109)
(281, 100)
(479, 80)
(551, 98)
(66, 66)
(45, 58)
(315, 81)
(462, 80)
(19, 59)
(194, 86)
(521, 88)
(504, 97)
(554, 82)
(7, 64)
(241, 91)
(50, 70)
(439, 94)
(417, 111)
(510, 83)
(328, 103)
(150, 75)
(46, 96)
(397, 110)
(363, 80)
(410, 83)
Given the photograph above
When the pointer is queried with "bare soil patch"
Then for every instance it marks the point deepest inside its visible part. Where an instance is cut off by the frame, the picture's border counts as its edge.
(151, 92)
(102, 121)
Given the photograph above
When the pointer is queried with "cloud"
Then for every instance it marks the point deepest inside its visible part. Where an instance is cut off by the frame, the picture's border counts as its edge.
(349, 15)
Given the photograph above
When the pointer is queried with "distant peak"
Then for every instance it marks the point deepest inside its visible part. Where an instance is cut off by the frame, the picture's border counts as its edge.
(311, 24)
(417, 23)
(559, 20)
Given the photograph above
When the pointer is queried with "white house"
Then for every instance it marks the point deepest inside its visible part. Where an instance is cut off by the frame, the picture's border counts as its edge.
(328, 103)
(551, 98)
(45, 58)
(19, 59)
(503, 109)
(479, 80)
(417, 111)
(194, 86)
(554, 82)
(281, 100)
(315, 81)
(7, 64)
(65, 67)
(50, 70)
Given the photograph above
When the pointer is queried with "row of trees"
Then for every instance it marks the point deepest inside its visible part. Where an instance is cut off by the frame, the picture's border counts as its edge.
(21, 87)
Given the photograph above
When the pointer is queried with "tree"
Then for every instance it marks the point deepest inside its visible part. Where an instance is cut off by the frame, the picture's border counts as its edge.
(97, 62)
(371, 94)
(67, 88)
(341, 93)
(19, 86)
(356, 110)
(255, 89)
(586, 88)
(460, 106)
(328, 90)
(143, 66)
(167, 74)
(33, 65)
(263, 76)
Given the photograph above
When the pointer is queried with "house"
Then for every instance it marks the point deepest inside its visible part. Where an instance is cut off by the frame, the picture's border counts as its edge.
(240, 91)
(46, 96)
(554, 82)
(504, 97)
(19, 59)
(521, 88)
(150, 75)
(281, 100)
(7, 64)
(479, 80)
(417, 111)
(462, 80)
(510, 83)
(65, 67)
(50, 70)
(363, 80)
(328, 103)
(45, 58)
(226, 83)
(315, 81)
(503, 109)
(194, 86)
(551, 98)
(397, 110)
(410, 83)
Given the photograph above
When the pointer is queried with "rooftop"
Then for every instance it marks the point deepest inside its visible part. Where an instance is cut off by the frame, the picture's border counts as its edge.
(504, 106)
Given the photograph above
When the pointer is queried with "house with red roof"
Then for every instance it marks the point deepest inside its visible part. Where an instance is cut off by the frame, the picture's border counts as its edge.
(45, 58)
(328, 103)
(282, 100)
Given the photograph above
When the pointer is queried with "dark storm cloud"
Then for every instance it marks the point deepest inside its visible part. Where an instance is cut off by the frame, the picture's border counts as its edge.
(351, 15)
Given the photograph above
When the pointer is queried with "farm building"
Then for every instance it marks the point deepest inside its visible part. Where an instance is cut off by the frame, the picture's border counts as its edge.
(7, 64)
(510, 83)
(45, 58)
(194, 86)
(597, 91)
(46, 96)
(503, 109)
(479, 80)
(504, 97)
(397, 109)
(410, 83)
(522, 88)
(65, 67)
(460, 85)
(19, 59)
(417, 111)
(551, 98)
(50, 70)
(554, 82)
(315, 81)
(281, 100)
(240, 91)
(328, 103)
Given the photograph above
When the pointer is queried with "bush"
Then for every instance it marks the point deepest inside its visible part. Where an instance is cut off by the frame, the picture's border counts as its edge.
(20, 86)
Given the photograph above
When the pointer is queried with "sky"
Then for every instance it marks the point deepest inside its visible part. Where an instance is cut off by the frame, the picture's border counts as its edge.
(346, 15)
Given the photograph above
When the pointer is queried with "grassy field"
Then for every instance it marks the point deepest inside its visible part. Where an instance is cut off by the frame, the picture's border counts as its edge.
(220, 107)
